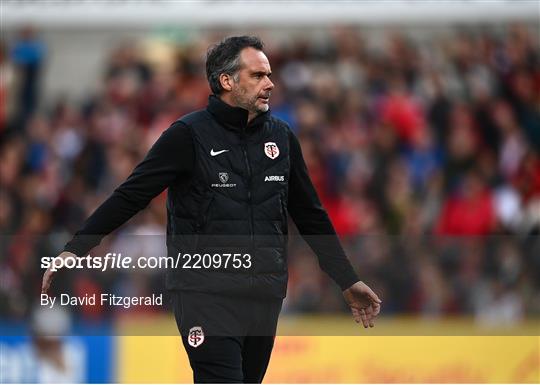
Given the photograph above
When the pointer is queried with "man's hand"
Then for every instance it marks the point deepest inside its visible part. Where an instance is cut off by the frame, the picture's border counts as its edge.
(48, 276)
(364, 303)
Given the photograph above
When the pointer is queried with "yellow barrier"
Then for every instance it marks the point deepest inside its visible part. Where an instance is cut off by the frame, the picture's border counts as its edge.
(405, 359)
(352, 359)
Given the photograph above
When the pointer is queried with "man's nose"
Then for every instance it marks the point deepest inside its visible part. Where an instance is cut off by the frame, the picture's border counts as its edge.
(269, 85)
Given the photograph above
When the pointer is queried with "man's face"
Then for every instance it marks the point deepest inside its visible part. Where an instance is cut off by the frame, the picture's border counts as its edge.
(251, 86)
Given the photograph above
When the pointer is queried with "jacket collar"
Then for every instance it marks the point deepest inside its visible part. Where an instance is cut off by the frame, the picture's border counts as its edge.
(234, 118)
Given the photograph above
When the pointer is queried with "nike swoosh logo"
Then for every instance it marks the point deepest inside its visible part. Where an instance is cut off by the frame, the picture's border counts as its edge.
(214, 153)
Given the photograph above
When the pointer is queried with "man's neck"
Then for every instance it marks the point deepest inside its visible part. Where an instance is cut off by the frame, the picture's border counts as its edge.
(227, 99)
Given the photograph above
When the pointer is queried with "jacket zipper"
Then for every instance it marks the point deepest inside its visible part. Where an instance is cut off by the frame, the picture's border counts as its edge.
(250, 206)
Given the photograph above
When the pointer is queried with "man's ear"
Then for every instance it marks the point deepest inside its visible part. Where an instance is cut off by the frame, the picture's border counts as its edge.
(226, 81)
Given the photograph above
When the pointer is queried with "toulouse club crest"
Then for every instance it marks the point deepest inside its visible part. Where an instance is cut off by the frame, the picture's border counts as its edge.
(195, 336)
(271, 150)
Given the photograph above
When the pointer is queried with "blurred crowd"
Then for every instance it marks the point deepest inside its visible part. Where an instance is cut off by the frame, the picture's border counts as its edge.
(425, 152)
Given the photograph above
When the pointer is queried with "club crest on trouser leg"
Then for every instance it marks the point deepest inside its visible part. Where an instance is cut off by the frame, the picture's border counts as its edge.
(195, 336)
(271, 150)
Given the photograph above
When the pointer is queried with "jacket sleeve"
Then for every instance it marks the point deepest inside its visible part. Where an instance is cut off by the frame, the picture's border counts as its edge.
(313, 222)
(171, 156)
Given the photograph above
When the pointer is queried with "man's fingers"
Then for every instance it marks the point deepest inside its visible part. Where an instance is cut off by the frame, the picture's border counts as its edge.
(366, 315)
(373, 296)
(47, 279)
(44, 284)
(44, 287)
(364, 318)
(369, 311)
(372, 311)
(356, 315)
(376, 309)
(369, 316)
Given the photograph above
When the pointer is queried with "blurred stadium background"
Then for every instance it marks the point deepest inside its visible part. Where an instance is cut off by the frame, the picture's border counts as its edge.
(420, 124)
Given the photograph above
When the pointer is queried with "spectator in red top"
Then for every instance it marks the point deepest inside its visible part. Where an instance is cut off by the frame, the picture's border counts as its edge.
(470, 211)
(403, 113)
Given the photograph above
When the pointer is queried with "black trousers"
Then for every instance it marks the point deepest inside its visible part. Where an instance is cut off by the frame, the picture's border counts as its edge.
(227, 339)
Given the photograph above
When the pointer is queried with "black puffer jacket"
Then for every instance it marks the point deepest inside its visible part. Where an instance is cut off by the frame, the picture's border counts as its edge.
(231, 186)
(236, 202)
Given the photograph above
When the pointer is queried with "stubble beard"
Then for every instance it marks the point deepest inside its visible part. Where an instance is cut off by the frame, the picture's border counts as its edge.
(247, 103)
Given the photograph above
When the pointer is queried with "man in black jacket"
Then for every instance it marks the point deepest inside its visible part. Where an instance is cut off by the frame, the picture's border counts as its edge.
(234, 173)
